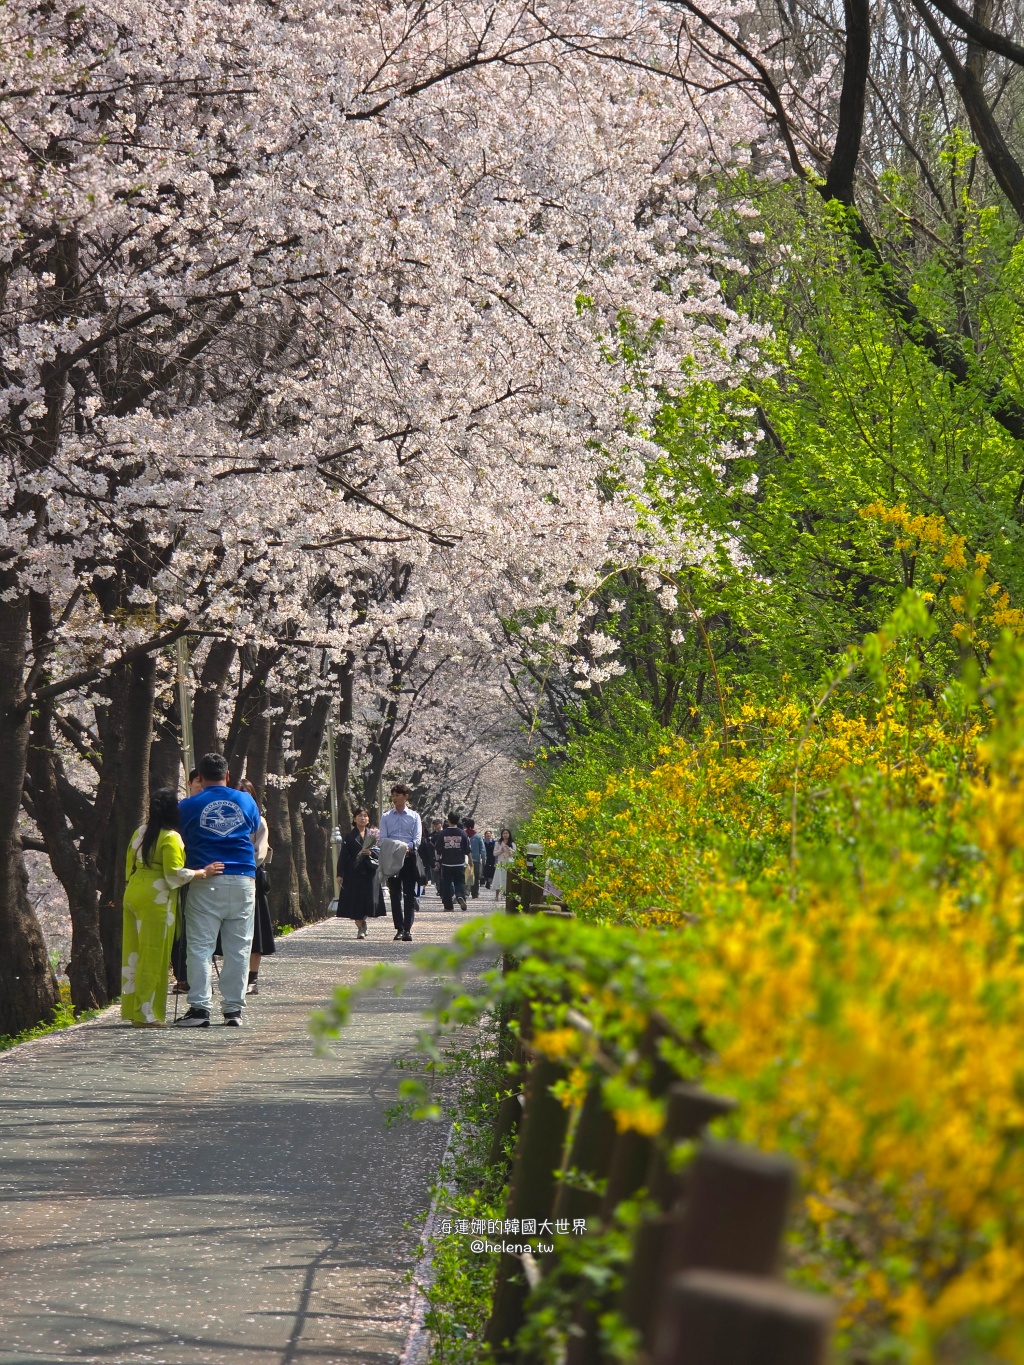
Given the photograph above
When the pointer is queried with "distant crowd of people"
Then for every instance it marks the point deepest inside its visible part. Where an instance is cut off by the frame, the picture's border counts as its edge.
(401, 855)
(197, 889)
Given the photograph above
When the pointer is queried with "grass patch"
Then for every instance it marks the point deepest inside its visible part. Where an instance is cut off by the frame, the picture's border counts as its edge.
(469, 1188)
(63, 1017)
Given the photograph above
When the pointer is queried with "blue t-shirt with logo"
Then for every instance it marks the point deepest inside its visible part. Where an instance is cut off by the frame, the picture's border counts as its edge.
(216, 825)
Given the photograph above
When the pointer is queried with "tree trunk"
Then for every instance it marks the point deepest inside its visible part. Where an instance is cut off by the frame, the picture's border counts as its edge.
(306, 805)
(259, 746)
(250, 703)
(165, 755)
(122, 796)
(206, 707)
(318, 861)
(285, 904)
(309, 908)
(28, 987)
(75, 871)
(343, 740)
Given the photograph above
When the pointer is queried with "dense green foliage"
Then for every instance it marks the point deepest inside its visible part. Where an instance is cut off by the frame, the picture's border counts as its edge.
(792, 824)
(764, 485)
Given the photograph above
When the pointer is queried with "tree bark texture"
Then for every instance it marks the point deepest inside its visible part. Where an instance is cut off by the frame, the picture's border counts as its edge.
(122, 795)
(28, 987)
(76, 871)
(285, 902)
(309, 834)
(165, 755)
(206, 706)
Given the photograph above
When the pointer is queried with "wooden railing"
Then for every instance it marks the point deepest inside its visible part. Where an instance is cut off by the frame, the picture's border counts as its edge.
(702, 1286)
(526, 897)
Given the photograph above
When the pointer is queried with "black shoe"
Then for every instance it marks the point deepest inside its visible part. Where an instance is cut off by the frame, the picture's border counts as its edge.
(407, 937)
(233, 1020)
(398, 937)
(461, 902)
(194, 1018)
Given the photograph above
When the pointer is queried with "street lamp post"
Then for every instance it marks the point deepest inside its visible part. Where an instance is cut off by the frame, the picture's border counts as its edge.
(184, 705)
(335, 822)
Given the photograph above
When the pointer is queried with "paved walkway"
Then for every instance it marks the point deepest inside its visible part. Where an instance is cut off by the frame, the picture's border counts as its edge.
(218, 1196)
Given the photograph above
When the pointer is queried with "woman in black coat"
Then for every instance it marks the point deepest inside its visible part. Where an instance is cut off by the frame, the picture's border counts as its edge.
(357, 876)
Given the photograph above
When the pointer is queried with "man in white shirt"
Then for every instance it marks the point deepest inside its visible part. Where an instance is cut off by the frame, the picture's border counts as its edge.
(402, 823)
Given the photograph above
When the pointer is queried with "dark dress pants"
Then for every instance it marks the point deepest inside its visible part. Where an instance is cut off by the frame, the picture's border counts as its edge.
(402, 887)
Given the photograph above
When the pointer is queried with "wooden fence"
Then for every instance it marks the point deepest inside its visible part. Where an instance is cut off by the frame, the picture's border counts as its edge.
(702, 1285)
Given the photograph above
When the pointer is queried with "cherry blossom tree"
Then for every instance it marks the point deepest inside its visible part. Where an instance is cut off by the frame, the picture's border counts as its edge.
(324, 331)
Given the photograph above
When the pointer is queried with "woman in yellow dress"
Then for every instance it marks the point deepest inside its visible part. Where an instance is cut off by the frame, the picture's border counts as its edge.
(154, 871)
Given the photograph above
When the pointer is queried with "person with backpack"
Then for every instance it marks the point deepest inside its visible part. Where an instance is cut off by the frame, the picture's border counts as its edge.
(454, 852)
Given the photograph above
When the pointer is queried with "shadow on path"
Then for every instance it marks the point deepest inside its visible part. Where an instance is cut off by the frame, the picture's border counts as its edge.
(218, 1196)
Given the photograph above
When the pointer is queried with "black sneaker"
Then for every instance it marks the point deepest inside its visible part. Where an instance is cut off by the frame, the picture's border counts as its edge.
(194, 1018)
(461, 902)
(233, 1020)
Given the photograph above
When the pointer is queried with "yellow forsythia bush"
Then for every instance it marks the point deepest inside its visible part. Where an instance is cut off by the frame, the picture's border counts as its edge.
(835, 891)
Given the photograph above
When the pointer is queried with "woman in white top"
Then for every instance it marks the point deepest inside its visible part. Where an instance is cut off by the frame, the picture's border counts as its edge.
(504, 852)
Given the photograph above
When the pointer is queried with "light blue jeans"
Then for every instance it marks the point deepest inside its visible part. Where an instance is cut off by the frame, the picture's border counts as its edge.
(224, 905)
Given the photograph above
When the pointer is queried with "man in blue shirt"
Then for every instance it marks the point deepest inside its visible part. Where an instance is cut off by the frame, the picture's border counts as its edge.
(219, 824)
(403, 824)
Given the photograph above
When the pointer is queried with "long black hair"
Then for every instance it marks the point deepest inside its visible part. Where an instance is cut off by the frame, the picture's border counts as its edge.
(163, 814)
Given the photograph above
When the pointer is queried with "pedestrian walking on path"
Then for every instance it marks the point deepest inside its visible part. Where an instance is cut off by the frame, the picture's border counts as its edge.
(225, 822)
(436, 839)
(504, 852)
(154, 871)
(402, 825)
(179, 952)
(489, 842)
(358, 894)
(426, 856)
(477, 854)
(454, 852)
(262, 926)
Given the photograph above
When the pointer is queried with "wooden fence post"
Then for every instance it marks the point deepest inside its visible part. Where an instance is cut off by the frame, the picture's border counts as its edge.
(737, 1200)
(591, 1154)
(634, 1151)
(689, 1110)
(714, 1318)
(512, 894)
(510, 1111)
(532, 1195)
